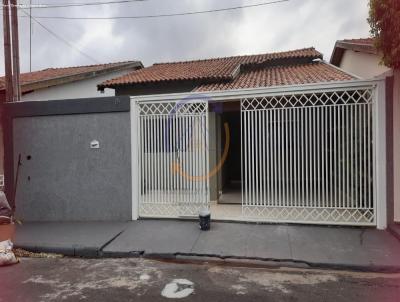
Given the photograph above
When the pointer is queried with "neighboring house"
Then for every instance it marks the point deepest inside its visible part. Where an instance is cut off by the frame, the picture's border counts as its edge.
(67, 83)
(359, 57)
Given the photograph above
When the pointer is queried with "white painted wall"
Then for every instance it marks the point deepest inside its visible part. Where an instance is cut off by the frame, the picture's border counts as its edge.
(79, 89)
(362, 64)
(396, 145)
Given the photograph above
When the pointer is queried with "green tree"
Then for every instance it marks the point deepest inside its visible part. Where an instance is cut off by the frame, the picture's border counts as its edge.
(384, 19)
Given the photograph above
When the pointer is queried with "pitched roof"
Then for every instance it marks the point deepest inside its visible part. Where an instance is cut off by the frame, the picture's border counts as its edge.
(55, 76)
(365, 45)
(211, 70)
(314, 72)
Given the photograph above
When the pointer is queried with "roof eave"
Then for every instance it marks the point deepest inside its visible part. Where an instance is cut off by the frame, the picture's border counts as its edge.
(224, 95)
(208, 80)
(35, 85)
(341, 46)
(337, 55)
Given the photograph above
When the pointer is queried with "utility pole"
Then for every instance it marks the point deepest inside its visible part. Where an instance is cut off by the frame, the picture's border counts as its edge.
(7, 52)
(15, 51)
(8, 80)
(12, 70)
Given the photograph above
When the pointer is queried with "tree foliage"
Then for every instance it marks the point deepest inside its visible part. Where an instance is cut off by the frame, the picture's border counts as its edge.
(384, 19)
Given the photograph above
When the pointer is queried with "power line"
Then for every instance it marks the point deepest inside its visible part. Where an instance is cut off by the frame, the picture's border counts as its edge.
(64, 5)
(165, 15)
(61, 38)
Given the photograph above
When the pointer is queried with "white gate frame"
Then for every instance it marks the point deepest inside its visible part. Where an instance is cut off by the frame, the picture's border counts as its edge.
(380, 186)
(165, 203)
(135, 158)
(379, 128)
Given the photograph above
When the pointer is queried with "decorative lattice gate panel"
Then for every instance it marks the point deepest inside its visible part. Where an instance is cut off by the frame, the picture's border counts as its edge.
(173, 158)
(308, 157)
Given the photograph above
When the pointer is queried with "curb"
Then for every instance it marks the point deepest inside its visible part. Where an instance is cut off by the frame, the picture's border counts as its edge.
(394, 229)
(90, 252)
(131, 254)
(84, 252)
(289, 263)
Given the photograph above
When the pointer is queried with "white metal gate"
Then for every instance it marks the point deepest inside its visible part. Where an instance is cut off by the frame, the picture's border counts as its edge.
(173, 158)
(308, 157)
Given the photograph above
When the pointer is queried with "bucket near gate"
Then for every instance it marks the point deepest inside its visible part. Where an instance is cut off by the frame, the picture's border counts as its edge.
(205, 219)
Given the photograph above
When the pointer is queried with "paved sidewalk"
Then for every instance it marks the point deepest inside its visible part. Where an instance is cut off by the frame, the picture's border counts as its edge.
(84, 239)
(315, 246)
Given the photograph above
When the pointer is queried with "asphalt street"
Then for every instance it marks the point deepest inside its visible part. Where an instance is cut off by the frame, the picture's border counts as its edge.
(135, 279)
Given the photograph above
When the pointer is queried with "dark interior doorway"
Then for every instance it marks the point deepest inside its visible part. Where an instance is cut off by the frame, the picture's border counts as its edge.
(231, 172)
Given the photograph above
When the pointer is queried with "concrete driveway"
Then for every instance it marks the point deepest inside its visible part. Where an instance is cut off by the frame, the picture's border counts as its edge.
(314, 246)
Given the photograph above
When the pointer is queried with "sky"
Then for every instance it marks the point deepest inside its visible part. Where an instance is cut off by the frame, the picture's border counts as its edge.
(277, 27)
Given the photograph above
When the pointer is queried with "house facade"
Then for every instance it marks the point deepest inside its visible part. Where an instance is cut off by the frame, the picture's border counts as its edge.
(66, 83)
(278, 137)
(272, 137)
(69, 82)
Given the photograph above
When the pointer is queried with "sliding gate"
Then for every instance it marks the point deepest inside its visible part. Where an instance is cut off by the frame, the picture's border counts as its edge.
(173, 158)
(308, 157)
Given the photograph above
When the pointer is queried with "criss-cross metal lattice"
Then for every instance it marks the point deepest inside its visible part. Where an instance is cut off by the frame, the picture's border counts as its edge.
(312, 99)
(173, 157)
(308, 157)
(173, 108)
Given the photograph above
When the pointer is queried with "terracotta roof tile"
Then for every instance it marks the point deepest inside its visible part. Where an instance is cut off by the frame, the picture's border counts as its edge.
(208, 70)
(363, 45)
(53, 73)
(363, 41)
(282, 75)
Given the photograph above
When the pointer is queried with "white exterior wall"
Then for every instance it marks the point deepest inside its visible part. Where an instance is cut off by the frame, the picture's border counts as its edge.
(362, 64)
(396, 145)
(79, 89)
